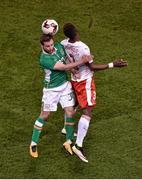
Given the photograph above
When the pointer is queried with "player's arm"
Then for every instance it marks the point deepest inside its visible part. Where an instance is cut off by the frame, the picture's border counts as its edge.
(67, 67)
(117, 63)
(74, 71)
(69, 59)
(98, 67)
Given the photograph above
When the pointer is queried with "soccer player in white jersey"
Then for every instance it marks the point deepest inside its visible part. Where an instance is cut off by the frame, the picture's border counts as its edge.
(83, 82)
(57, 89)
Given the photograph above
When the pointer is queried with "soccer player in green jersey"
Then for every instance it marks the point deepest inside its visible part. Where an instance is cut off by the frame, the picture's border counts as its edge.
(57, 89)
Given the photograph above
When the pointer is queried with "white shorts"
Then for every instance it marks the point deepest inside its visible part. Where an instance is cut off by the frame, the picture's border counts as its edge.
(63, 94)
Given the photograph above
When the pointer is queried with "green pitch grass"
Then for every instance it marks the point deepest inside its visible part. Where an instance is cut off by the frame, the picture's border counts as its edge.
(112, 29)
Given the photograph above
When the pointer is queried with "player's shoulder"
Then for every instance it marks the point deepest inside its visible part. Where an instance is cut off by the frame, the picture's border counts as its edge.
(83, 45)
(58, 46)
(64, 42)
(60, 49)
(43, 57)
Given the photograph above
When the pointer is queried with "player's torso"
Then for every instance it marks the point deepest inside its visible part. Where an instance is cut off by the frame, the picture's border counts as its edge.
(77, 50)
(53, 78)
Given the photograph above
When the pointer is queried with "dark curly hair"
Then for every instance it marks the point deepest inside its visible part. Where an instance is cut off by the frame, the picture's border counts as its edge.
(70, 30)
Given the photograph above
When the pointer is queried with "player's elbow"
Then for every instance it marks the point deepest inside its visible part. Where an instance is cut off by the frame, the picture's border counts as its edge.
(92, 67)
(60, 67)
(63, 67)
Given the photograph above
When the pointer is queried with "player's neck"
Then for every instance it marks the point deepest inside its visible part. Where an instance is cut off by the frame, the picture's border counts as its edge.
(74, 40)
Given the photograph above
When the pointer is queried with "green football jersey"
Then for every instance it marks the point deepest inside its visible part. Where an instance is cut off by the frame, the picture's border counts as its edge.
(53, 78)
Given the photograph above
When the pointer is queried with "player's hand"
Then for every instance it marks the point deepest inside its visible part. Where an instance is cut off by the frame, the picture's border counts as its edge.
(86, 58)
(76, 73)
(120, 63)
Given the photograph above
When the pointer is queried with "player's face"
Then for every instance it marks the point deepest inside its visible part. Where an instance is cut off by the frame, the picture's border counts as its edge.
(49, 46)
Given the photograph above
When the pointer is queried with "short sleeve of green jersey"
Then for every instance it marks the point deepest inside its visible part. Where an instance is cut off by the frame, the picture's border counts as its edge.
(64, 50)
(61, 49)
(47, 62)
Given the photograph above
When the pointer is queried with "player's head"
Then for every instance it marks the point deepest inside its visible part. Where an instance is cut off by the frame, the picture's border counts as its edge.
(47, 43)
(70, 31)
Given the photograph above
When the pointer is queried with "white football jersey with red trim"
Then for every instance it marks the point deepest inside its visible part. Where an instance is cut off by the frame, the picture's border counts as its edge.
(76, 51)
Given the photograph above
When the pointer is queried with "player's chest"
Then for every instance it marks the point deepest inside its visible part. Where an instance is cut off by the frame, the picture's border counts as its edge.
(75, 52)
(58, 58)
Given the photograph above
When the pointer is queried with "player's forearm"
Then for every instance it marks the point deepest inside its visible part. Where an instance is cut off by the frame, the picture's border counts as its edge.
(115, 64)
(66, 67)
(98, 67)
(73, 65)
(84, 59)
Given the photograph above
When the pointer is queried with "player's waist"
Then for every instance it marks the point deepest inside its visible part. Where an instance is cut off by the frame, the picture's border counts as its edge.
(82, 77)
(60, 87)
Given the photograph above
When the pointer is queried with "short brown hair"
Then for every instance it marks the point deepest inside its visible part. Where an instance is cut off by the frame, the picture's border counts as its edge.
(45, 38)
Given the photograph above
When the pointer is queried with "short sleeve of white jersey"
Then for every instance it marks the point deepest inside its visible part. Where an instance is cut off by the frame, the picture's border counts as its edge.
(87, 52)
(68, 58)
(64, 42)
